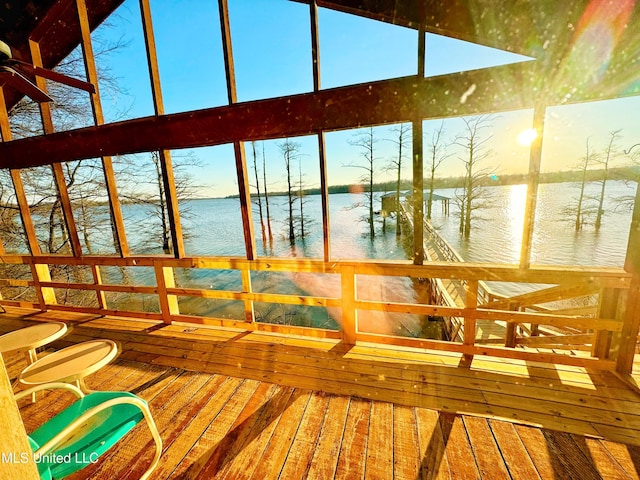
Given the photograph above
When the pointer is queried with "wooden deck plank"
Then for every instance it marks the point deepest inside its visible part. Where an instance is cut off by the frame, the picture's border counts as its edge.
(570, 455)
(406, 457)
(250, 458)
(462, 463)
(434, 464)
(627, 456)
(385, 379)
(597, 454)
(513, 451)
(177, 435)
(325, 458)
(486, 452)
(184, 457)
(270, 413)
(546, 460)
(424, 455)
(306, 439)
(280, 442)
(353, 449)
(379, 458)
(258, 411)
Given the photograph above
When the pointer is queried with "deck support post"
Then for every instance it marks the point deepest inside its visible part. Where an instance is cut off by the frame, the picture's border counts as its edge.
(14, 439)
(535, 159)
(631, 326)
(418, 195)
(324, 188)
(418, 168)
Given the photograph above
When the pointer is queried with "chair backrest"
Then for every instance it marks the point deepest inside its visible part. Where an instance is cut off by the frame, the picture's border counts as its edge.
(114, 418)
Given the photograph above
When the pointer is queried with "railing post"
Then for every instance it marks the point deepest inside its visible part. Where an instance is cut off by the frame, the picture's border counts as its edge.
(470, 302)
(607, 308)
(510, 333)
(97, 280)
(46, 295)
(349, 314)
(168, 303)
(630, 328)
(249, 313)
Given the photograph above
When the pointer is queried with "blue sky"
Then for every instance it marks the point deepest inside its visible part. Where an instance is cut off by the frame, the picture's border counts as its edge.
(272, 50)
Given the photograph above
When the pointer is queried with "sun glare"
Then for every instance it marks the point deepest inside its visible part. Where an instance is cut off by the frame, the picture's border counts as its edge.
(527, 136)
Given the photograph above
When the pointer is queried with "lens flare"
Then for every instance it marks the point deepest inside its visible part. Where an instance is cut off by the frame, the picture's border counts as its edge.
(597, 34)
(527, 136)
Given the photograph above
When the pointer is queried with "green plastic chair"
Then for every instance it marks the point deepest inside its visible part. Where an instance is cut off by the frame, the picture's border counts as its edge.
(82, 432)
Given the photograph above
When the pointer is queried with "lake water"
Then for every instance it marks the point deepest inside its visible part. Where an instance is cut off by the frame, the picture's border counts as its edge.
(213, 227)
(496, 236)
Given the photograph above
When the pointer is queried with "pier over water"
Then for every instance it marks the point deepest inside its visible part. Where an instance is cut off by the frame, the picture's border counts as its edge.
(455, 293)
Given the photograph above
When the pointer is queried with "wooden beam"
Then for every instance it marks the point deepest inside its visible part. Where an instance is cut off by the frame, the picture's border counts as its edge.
(629, 334)
(16, 179)
(238, 147)
(152, 57)
(324, 186)
(58, 174)
(418, 194)
(375, 103)
(18, 463)
(120, 239)
(632, 259)
(166, 164)
(533, 179)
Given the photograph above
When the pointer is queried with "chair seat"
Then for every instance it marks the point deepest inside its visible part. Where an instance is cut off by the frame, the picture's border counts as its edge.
(94, 438)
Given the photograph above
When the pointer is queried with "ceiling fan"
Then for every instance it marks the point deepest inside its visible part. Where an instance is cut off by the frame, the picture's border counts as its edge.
(12, 73)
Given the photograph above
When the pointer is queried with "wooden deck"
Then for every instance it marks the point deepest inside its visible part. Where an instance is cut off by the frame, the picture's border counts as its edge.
(232, 404)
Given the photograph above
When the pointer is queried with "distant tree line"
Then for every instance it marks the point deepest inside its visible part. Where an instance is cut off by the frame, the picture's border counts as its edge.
(618, 173)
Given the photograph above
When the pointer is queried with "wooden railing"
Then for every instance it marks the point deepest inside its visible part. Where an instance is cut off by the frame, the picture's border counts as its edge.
(600, 333)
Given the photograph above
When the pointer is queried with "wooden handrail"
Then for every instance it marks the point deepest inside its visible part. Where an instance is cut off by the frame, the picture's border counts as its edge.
(572, 281)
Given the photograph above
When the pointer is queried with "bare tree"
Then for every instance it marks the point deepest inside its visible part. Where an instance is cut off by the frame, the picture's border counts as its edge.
(473, 140)
(608, 155)
(147, 170)
(401, 140)
(366, 141)
(301, 198)
(581, 209)
(70, 109)
(258, 201)
(290, 152)
(437, 153)
(266, 194)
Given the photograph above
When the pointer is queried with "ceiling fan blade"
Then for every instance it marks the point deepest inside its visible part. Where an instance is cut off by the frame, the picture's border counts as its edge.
(55, 76)
(14, 79)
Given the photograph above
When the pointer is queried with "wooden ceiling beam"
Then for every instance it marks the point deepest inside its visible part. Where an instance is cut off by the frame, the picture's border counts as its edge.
(496, 89)
(383, 102)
